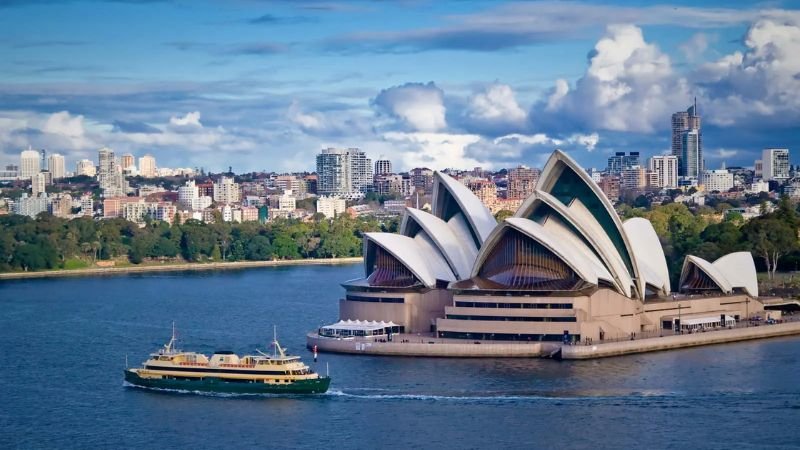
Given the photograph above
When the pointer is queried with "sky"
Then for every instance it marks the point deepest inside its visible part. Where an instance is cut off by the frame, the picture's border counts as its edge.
(264, 85)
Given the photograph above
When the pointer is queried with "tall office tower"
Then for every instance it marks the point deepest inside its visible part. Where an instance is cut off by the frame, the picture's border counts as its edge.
(691, 161)
(666, 169)
(226, 191)
(343, 172)
(775, 164)
(682, 122)
(147, 166)
(128, 163)
(30, 163)
(383, 167)
(85, 167)
(522, 182)
(38, 184)
(55, 164)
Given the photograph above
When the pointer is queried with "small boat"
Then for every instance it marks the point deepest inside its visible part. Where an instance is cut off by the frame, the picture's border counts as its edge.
(226, 372)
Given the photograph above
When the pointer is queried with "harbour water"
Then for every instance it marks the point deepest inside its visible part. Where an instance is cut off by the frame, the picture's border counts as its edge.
(63, 344)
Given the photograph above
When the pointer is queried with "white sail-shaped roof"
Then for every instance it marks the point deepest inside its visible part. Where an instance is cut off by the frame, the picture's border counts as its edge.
(459, 257)
(649, 254)
(424, 261)
(576, 260)
(451, 198)
(740, 271)
(706, 267)
(589, 229)
(565, 180)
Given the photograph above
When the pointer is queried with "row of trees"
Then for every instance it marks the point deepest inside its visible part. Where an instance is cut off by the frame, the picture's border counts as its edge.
(49, 242)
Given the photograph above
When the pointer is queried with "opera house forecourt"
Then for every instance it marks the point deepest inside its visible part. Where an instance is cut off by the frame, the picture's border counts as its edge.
(565, 271)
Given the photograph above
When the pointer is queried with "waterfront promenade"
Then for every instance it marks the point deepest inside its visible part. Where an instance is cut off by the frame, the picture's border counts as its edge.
(176, 267)
(430, 346)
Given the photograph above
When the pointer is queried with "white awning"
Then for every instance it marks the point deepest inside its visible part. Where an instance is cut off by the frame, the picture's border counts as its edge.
(360, 325)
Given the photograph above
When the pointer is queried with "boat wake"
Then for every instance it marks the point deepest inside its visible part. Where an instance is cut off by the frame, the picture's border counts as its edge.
(501, 397)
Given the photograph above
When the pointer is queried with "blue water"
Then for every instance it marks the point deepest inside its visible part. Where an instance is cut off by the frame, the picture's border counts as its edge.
(63, 344)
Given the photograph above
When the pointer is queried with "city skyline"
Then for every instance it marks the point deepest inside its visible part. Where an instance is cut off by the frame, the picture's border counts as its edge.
(449, 85)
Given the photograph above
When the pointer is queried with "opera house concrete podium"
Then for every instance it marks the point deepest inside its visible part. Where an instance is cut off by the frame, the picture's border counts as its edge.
(565, 268)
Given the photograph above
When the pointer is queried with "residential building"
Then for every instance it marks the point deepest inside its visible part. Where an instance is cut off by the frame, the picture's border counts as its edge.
(615, 163)
(485, 190)
(147, 166)
(249, 214)
(87, 205)
(666, 169)
(610, 185)
(128, 163)
(30, 206)
(683, 121)
(85, 167)
(633, 178)
(344, 172)
(9, 173)
(38, 184)
(55, 164)
(775, 164)
(421, 180)
(383, 167)
(717, 180)
(61, 205)
(521, 182)
(226, 191)
(30, 163)
(331, 207)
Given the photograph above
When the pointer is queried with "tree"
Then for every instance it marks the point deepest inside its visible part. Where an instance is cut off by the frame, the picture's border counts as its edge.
(259, 249)
(770, 239)
(502, 215)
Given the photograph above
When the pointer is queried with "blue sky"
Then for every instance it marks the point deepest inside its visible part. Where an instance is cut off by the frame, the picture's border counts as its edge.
(266, 84)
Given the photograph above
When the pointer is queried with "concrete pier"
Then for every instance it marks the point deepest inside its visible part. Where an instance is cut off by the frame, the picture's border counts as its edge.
(429, 346)
(679, 341)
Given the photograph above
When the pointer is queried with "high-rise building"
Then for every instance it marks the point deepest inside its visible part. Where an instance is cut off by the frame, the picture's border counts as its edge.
(620, 161)
(85, 167)
(128, 163)
(633, 178)
(343, 172)
(226, 191)
(682, 122)
(30, 163)
(691, 160)
(55, 164)
(775, 164)
(61, 205)
(717, 180)
(383, 167)
(666, 169)
(147, 166)
(38, 184)
(106, 168)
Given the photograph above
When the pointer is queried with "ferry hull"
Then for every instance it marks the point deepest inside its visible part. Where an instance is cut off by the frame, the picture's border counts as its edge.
(213, 384)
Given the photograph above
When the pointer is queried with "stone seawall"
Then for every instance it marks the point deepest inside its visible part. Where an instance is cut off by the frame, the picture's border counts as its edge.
(176, 267)
(436, 348)
(676, 342)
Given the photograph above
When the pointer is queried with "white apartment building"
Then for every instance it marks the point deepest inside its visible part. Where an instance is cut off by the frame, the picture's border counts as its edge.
(343, 172)
(331, 207)
(666, 169)
(56, 166)
(85, 167)
(775, 164)
(38, 184)
(30, 163)
(717, 180)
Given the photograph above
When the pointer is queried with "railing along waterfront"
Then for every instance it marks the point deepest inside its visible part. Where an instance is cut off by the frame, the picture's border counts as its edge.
(650, 334)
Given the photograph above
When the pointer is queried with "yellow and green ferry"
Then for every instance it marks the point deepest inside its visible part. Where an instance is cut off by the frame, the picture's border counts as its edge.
(226, 372)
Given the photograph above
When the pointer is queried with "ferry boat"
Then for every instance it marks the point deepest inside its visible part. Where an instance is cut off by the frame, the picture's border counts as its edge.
(226, 372)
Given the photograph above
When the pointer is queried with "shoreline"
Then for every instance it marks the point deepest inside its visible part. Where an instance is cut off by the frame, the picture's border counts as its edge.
(176, 268)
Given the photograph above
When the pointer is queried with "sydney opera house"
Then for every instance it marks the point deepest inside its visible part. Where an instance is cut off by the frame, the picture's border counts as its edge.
(564, 267)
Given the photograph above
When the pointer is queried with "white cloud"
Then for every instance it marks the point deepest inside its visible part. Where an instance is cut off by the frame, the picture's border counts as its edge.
(434, 150)
(496, 103)
(419, 106)
(695, 46)
(191, 119)
(629, 86)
